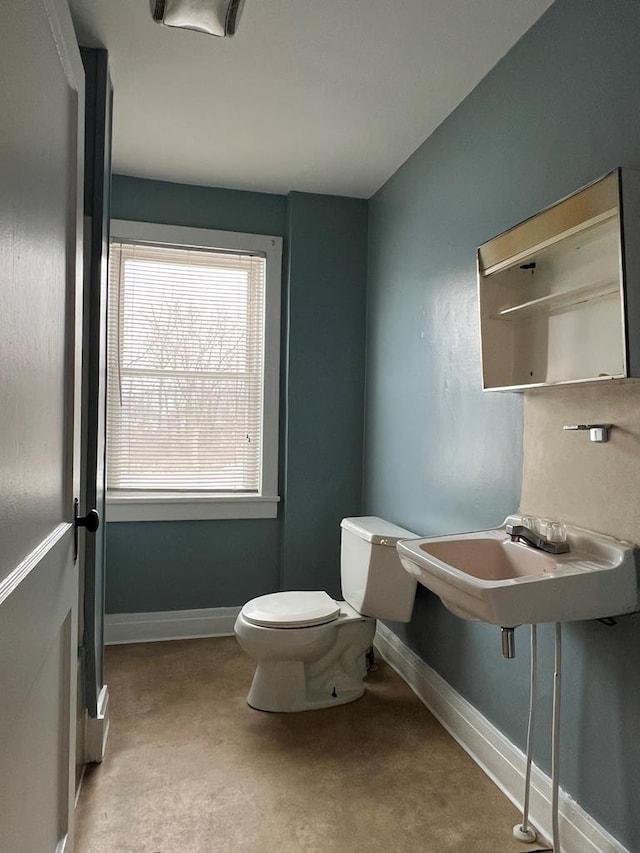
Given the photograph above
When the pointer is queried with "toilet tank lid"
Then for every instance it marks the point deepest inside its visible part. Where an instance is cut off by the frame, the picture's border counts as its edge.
(376, 530)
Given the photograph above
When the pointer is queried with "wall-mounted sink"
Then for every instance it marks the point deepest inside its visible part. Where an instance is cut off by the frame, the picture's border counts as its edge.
(486, 576)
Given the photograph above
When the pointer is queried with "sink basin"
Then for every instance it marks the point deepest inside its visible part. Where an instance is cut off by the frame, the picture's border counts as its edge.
(486, 576)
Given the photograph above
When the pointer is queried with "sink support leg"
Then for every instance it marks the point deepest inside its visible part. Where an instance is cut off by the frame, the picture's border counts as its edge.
(508, 642)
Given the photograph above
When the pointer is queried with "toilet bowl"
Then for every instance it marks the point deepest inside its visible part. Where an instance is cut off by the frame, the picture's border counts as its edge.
(310, 650)
(305, 666)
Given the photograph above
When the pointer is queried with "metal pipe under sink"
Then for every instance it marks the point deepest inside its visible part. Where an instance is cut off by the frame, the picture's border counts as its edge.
(508, 642)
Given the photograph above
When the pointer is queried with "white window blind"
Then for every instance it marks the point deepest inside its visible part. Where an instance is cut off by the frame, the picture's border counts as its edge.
(186, 370)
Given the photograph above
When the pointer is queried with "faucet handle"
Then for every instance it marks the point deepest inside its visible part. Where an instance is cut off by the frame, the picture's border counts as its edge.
(597, 432)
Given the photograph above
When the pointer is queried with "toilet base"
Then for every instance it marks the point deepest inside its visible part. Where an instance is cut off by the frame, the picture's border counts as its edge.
(289, 687)
(333, 678)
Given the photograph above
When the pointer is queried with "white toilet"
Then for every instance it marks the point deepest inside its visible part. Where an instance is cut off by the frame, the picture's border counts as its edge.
(311, 650)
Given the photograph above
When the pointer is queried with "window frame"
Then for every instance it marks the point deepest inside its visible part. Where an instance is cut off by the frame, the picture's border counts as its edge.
(184, 506)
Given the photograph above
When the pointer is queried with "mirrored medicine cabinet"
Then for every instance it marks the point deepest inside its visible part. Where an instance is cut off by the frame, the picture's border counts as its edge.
(559, 293)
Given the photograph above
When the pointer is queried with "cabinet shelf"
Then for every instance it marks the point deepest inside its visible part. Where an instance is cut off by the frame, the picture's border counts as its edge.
(560, 292)
(554, 303)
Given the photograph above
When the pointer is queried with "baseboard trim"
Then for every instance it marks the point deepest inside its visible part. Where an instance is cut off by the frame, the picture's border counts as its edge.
(501, 760)
(96, 730)
(169, 625)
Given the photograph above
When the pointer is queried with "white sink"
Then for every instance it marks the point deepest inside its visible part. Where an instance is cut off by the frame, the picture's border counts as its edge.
(486, 576)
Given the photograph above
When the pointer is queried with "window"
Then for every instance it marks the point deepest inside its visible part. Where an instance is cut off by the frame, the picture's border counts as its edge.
(193, 373)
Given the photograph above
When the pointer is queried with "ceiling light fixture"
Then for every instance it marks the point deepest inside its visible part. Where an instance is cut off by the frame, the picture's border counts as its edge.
(215, 17)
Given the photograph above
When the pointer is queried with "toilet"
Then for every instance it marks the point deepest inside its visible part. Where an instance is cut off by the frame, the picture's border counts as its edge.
(311, 650)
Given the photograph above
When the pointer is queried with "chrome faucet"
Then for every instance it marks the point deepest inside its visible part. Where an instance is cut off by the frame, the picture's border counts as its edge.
(520, 533)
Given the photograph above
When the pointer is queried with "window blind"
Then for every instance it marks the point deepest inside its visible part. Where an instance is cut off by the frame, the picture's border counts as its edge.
(185, 370)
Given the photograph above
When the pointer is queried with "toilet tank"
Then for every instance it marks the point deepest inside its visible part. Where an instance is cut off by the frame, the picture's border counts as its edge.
(373, 580)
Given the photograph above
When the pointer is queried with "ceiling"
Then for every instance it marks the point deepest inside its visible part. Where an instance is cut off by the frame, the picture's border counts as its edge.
(324, 96)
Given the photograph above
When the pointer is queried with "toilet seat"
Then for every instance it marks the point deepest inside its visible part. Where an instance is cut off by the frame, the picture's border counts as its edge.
(291, 610)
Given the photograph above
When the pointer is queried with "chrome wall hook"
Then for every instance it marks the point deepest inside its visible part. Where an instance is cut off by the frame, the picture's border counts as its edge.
(597, 432)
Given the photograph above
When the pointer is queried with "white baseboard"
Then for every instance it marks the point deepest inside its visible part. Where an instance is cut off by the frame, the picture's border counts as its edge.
(503, 762)
(96, 730)
(169, 625)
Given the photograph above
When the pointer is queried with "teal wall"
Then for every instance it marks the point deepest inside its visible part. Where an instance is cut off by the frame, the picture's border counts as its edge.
(155, 566)
(325, 387)
(561, 109)
(185, 565)
(198, 207)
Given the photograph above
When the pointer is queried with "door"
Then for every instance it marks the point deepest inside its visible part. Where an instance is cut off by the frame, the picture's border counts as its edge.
(93, 695)
(41, 103)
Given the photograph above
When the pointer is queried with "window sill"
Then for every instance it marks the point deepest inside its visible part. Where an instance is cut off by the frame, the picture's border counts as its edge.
(188, 507)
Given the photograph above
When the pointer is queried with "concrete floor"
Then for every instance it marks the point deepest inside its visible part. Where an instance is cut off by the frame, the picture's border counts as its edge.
(190, 768)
